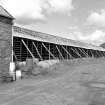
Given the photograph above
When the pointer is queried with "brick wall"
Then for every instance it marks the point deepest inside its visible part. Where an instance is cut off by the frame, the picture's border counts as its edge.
(5, 43)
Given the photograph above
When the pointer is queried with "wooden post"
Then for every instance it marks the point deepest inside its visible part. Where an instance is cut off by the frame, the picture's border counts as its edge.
(83, 52)
(91, 53)
(76, 52)
(59, 52)
(67, 52)
(48, 51)
(37, 50)
(21, 51)
(12, 45)
(15, 55)
(28, 49)
(103, 54)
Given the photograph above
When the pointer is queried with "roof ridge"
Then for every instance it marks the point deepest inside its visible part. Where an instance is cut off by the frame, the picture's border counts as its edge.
(54, 38)
(4, 12)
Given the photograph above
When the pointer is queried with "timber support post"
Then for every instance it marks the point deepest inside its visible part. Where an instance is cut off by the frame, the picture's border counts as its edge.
(67, 52)
(59, 52)
(76, 52)
(37, 50)
(27, 48)
(48, 50)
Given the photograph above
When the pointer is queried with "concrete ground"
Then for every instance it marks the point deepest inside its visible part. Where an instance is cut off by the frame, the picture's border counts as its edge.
(78, 83)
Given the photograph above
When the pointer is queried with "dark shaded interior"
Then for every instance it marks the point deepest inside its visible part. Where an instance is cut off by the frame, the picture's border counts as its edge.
(49, 50)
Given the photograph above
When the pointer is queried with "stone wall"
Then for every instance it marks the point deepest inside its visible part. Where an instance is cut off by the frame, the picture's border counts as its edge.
(5, 44)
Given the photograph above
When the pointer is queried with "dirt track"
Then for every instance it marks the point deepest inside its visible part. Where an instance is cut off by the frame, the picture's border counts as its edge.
(77, 84)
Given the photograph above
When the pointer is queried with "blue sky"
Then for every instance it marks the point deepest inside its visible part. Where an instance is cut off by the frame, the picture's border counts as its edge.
(82, 20)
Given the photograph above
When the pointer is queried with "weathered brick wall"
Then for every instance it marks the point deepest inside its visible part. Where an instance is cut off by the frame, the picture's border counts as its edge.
(5, 45)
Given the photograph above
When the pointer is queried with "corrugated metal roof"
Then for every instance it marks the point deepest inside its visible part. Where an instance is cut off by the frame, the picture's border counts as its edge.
(34, 35)
(3, 12)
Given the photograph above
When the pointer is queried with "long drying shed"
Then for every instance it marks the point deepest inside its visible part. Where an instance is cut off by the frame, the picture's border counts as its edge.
(26, 43)
(33, 44)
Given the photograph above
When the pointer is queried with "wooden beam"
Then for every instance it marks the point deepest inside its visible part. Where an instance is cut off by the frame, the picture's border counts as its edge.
(37, 51)
(59, 52)
(48, 50)
(15, 55)
(92, 53)
(12, 43)
(104, 54)
(82, 51)
(101, 53)
(27, 48)
(75, 51)
(67, 52)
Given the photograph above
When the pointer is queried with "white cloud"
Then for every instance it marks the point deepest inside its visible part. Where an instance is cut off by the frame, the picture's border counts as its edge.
(73, 28)
(97, 37)
(60, 5)
(31, 10)
(26, 8)
(97, 19)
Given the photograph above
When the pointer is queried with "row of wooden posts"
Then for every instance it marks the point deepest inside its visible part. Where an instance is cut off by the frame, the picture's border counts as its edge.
(100, 53)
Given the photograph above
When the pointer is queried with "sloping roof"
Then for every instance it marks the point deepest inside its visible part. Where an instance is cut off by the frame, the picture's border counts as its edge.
(34, 35)
(102, 45)
(4, 13)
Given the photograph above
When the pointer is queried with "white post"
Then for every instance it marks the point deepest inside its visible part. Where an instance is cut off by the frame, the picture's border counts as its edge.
(12, 70)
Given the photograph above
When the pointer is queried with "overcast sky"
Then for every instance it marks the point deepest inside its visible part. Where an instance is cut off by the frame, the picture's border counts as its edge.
(75, 19)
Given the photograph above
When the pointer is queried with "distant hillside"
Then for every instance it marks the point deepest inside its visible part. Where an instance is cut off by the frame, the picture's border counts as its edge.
(103, 45)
